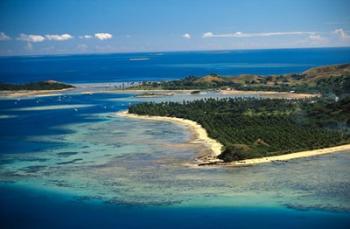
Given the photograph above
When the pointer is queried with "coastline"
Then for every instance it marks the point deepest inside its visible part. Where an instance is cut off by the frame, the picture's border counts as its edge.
(37, 93)
(157, 92)
(272, 94)
(289, 156)
(215, 146)
(201, 134)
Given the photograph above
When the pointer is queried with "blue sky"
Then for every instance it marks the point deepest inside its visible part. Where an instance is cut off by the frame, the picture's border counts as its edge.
(85, 26)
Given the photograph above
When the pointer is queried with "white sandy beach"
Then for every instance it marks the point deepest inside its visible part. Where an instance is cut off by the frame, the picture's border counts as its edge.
(286, 157)
(34, 93)
(107, 88)
(216, 147)
(269, 94)
(272, 94)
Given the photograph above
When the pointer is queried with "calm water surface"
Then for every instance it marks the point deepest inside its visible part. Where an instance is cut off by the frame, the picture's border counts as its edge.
(164, 66)
(70, 161)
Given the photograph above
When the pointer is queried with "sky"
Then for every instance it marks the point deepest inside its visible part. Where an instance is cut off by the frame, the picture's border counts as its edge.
(45, 27)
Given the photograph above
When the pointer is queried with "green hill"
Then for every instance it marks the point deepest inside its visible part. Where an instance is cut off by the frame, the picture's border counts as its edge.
(333, 79)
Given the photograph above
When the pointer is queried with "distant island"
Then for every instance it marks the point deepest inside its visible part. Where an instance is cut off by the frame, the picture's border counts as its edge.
(325, 80)
(252, 127)
(35, 86)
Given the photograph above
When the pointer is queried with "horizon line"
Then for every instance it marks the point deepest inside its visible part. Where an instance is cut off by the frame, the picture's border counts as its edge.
(164, 51)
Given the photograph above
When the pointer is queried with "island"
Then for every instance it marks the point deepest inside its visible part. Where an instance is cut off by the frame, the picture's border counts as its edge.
(250, 128)
(33, 88)
(326, 80)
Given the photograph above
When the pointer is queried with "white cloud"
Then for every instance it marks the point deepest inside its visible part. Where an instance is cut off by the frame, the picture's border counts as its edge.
(4, 37)
(103, 36)
(316, 38)
(62, 37)
(186, 36)
(85, 37)
(208, 34)
(342, 34)
(31, 38)
(241, 34)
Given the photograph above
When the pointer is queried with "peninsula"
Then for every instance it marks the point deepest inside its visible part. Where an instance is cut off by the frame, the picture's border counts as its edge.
(250, 128)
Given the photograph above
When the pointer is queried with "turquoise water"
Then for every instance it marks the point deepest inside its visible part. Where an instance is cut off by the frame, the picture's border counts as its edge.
(67, 161)
(70, 161)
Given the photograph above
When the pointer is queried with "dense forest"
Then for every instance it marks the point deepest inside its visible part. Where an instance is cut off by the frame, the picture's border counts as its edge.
(43, 85)
(251, 127)
(334, 79)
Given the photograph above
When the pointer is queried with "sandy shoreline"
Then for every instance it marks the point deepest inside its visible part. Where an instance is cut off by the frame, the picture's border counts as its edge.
(286, 157)
(200, 133)
(158, 92)
(216, 147)
(37, 93)
(272, 94)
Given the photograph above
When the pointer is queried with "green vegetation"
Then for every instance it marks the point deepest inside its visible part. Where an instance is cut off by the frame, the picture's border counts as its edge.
(333, 79)
(250, 127)
(43, 85)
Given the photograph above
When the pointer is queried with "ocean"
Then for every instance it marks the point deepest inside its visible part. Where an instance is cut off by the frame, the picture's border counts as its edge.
(165, 66)
(68, 161)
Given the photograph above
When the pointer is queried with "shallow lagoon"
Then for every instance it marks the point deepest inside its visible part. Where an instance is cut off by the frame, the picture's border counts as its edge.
(88, 159)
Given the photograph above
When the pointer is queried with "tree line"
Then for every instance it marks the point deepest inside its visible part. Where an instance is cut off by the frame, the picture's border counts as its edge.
(253, 127)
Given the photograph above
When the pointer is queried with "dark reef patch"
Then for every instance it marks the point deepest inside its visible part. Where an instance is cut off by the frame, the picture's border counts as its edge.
(34, 168)
(67, 154)
(69, 162)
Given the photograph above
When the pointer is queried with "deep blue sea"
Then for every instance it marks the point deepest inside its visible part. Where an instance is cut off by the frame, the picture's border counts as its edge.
(68, 161)
(164, 66)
